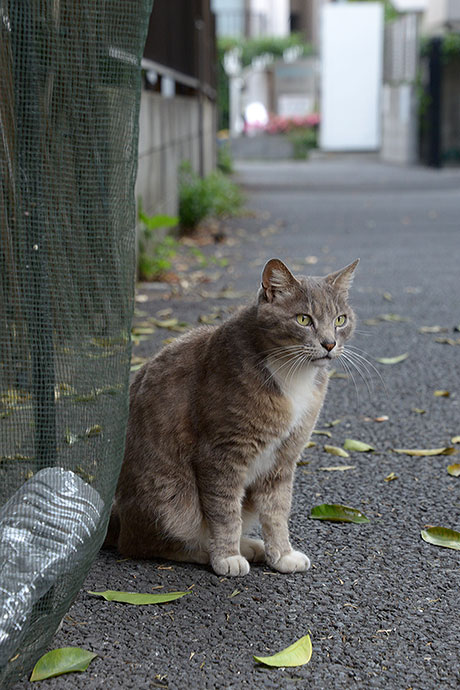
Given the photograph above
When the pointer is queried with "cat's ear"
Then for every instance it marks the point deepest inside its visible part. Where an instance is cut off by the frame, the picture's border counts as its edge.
(342, 280)
(276, 279)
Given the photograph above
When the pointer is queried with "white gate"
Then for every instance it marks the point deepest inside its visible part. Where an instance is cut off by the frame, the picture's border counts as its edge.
(351, 76)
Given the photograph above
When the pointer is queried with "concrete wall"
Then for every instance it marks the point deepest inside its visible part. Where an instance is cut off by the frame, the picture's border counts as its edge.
(400, 132)
(169, 134)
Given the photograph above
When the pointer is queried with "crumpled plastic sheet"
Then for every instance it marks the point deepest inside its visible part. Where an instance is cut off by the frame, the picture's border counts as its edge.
(45, 529)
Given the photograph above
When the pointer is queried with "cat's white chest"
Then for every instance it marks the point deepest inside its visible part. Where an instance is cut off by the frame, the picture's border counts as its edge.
(300, 391)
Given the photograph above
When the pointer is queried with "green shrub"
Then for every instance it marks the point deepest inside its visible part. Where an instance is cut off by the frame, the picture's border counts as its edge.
(156, 250)
(303, 140)
(224, 158)
(194, 200)
(199, 197)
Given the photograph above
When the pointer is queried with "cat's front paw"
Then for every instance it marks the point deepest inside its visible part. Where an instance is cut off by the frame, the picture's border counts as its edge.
(232, 565)
(292, 562)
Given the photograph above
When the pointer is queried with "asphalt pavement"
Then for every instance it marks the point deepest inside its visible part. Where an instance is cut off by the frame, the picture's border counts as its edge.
(380, 604)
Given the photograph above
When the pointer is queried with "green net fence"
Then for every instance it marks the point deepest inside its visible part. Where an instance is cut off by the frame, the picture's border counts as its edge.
(69, 99)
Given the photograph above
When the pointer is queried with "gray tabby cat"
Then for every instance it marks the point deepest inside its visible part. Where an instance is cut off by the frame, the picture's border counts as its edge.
(217, 421)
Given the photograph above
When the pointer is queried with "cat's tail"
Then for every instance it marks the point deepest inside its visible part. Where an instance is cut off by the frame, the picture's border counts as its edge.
(113, 530)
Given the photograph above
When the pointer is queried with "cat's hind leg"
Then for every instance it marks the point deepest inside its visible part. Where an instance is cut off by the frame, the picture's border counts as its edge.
(252, 549)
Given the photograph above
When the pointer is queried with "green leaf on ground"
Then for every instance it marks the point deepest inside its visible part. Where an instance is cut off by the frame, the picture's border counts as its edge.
(296, 654)
(359, 446)
(390, 477)
(335, 450)
(425, 452)
(138, 599)
(337, 513)
(392, 360)
(418, 410)
(442, 536)
(454, 470)
(322, 432)
(63, 660)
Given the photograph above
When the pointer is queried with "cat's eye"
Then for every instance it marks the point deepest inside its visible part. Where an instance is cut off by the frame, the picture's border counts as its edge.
(341, 320)
(303, 319)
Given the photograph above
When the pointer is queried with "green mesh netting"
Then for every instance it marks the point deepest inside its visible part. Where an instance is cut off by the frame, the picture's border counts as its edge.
(69, 98)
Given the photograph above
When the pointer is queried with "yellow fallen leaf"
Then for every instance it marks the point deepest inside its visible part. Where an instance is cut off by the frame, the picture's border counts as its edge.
(425, 452)
(441, 394)
(335, 450)
(455, 439)
(296, 654)
(337, 468)
(454, 470)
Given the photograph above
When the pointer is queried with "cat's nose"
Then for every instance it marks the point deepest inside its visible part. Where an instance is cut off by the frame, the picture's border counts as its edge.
(328, 345)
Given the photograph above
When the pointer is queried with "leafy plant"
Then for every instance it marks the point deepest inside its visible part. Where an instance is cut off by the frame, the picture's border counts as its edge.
(303, 140)
(156, 250)
(224, 158)
(195, 202)
(199, 197)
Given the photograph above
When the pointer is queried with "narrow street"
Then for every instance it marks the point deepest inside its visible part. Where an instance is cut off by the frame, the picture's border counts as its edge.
(380, 604)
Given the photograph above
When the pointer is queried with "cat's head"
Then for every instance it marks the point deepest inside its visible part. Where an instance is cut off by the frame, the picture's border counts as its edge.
(310, 315)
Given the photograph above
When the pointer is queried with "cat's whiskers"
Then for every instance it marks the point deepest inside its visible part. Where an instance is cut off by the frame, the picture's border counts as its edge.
(349, 372)
(291, 359)
(351, 350)
(351, 363)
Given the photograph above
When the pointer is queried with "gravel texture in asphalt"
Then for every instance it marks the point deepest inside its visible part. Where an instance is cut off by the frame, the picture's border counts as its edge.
(380, 604)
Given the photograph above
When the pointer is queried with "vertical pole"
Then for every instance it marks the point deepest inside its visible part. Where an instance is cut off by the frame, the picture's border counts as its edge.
(434, 113)
(200, 26)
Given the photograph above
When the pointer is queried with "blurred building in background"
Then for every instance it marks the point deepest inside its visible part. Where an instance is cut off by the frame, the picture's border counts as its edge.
(178, 104)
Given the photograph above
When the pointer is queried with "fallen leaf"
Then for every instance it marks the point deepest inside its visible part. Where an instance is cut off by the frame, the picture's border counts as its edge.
(418, 410)
(392, 360)
(60, 661)
(441, 394)
(425, 452)
(138, 599)
(447, 341)
(432, 329)
(334, 422)
(310, 444)
(383, 418)
(93, 430)
(442, 536)
(454, 470)
(322, 432)
(337, 468)
(393, 317)
(296, 654)
(455, 439)
(390, 477)
(165, 323)
(335, 450)
(359, 446)
(234, 593)
(387, 296)
(337, 513)
(142, 330)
